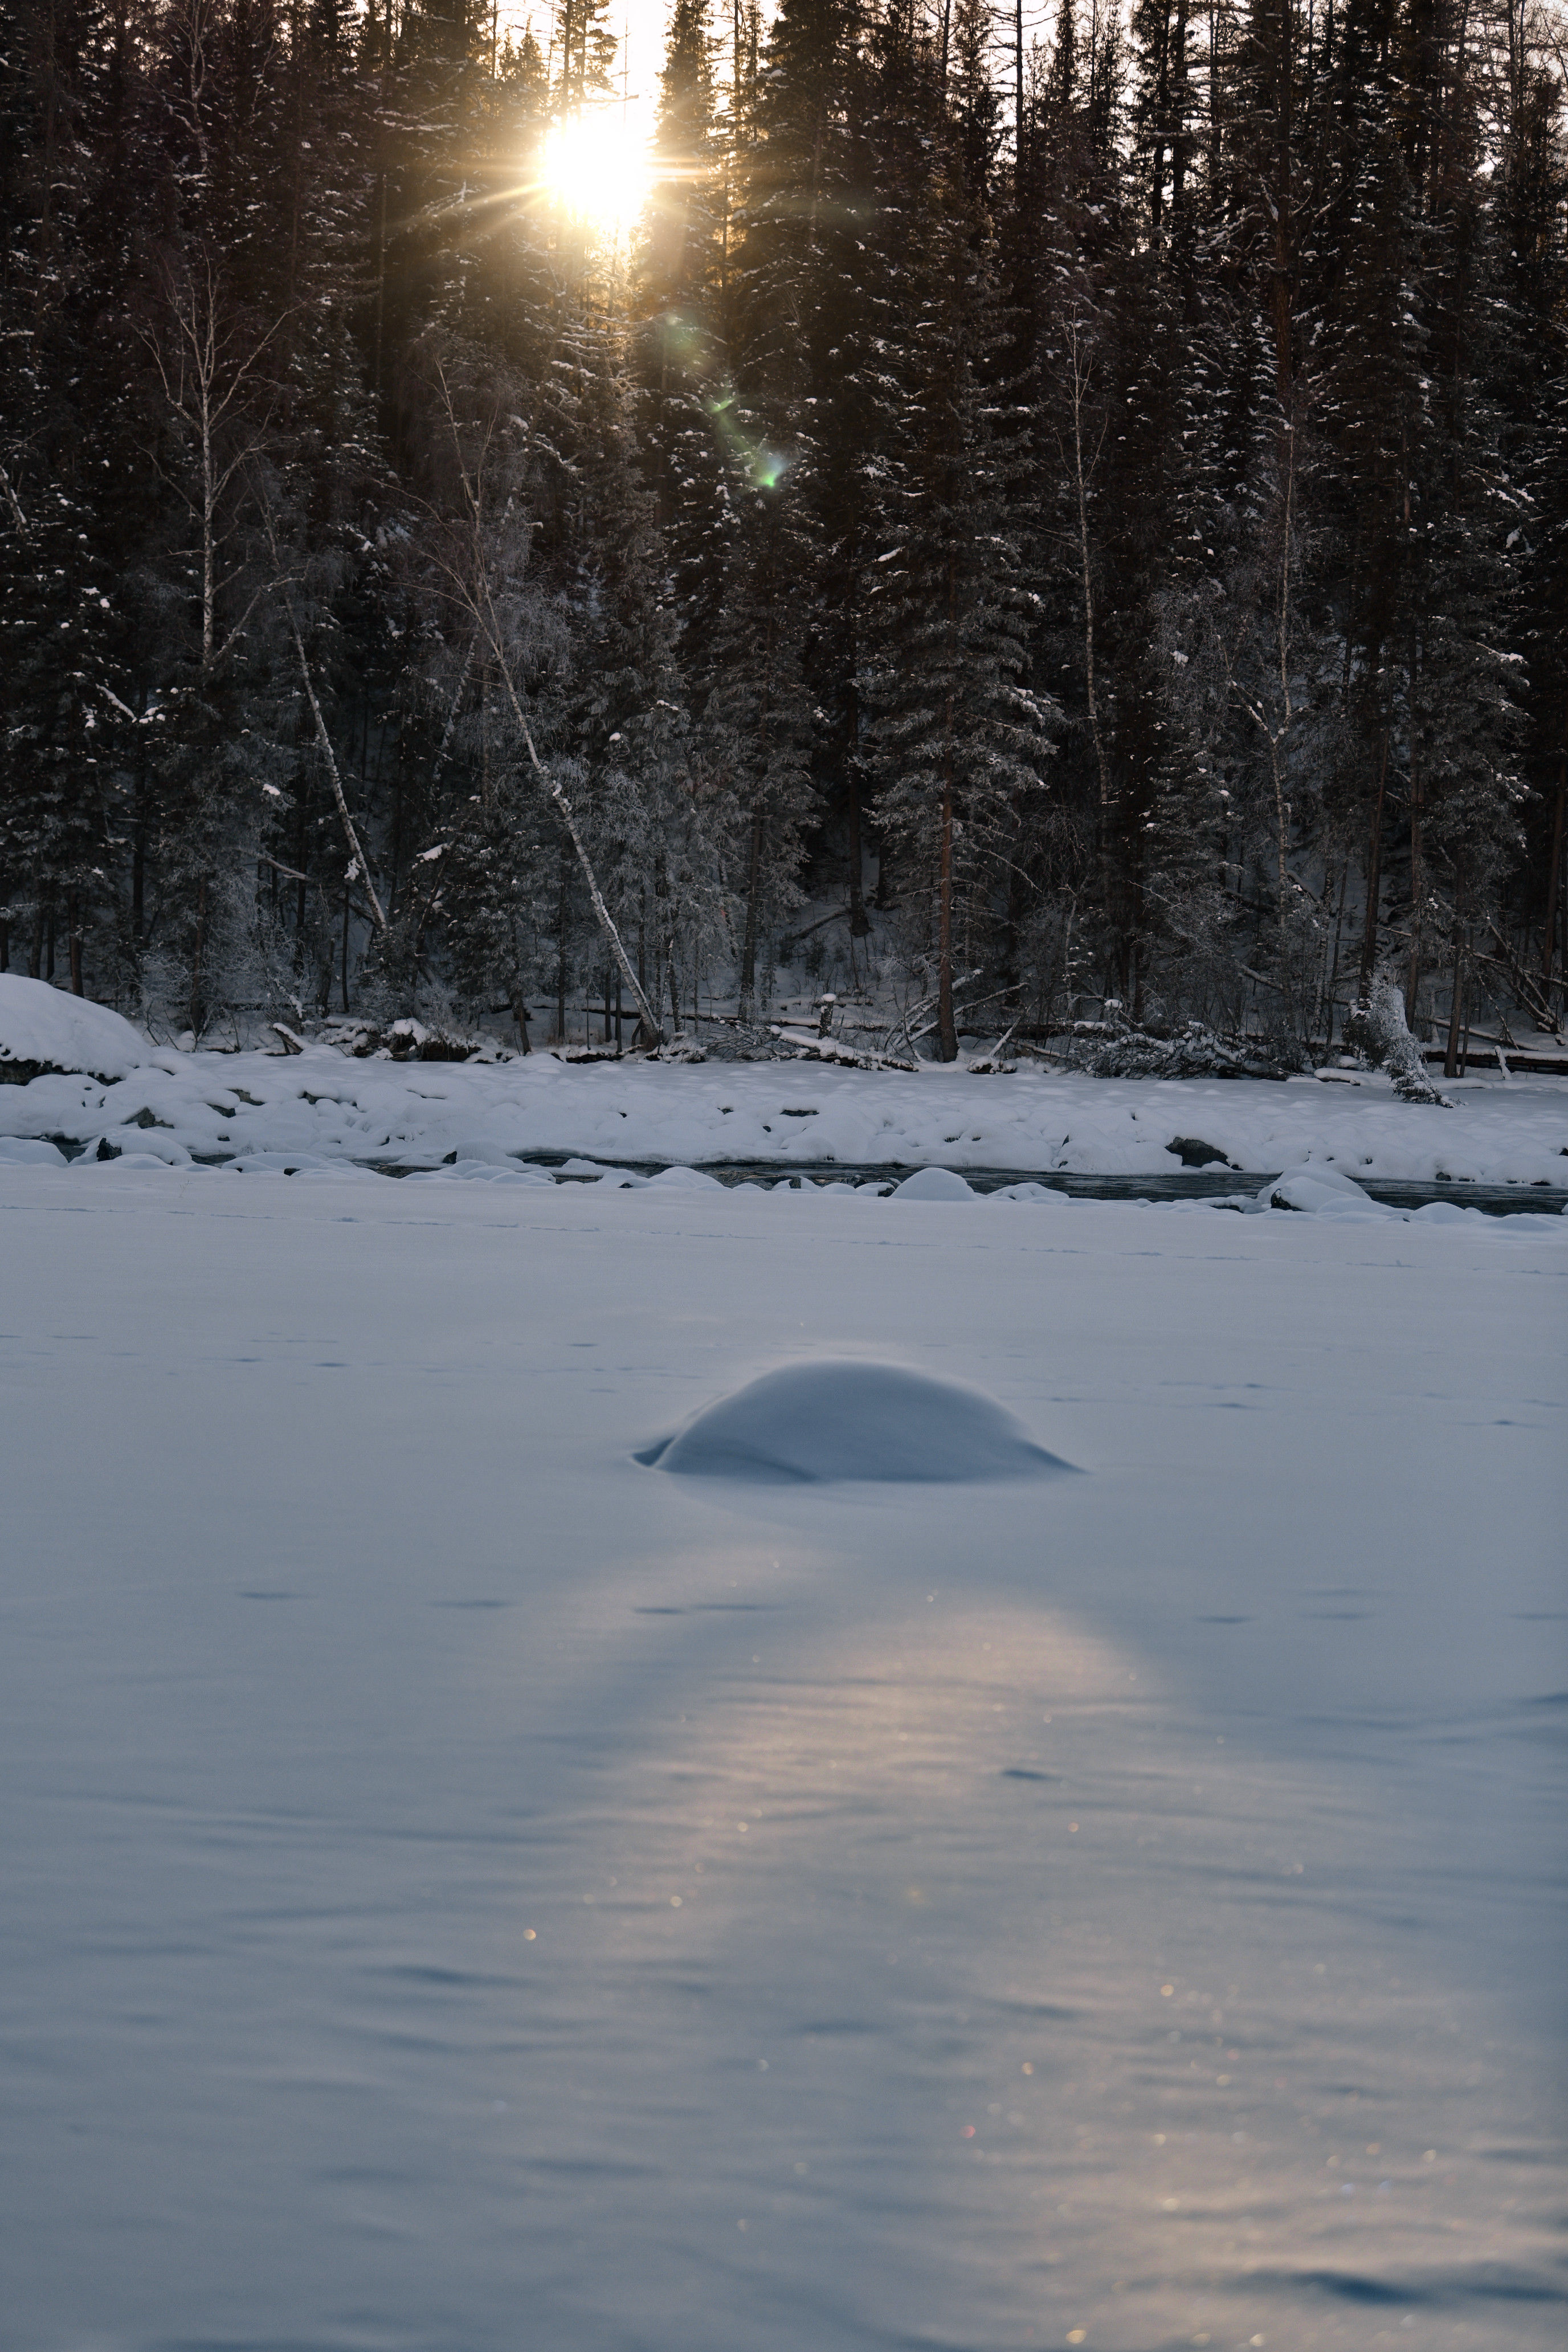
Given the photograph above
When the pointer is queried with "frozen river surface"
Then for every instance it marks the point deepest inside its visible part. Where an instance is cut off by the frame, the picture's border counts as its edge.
(467, 1892)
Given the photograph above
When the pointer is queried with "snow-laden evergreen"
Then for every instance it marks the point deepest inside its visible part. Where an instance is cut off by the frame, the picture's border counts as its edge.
(1073, 521)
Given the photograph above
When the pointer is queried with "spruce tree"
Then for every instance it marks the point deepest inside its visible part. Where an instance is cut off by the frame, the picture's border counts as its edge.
(960, 739)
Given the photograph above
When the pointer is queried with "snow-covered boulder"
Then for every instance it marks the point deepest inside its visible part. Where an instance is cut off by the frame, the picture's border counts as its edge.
(834, 1420)
(43, 1029)
(683, 1180)
(1319, 1191)
(29, 1151)
(493, 1170)
(934, 1184)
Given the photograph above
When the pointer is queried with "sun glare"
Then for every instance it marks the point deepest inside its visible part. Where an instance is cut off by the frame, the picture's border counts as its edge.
(597, 165)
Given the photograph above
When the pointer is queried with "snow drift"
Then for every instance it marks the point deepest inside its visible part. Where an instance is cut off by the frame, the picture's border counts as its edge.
(823, 1421)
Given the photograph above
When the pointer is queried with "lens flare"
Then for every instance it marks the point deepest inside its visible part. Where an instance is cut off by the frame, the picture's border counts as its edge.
(596, 166)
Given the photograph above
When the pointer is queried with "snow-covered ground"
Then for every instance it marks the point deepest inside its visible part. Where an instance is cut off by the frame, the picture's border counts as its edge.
(325, 1107)
(467, 1891)
(113, 1092)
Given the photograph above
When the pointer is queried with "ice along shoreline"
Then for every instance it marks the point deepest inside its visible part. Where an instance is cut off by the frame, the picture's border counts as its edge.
(1230, 1186)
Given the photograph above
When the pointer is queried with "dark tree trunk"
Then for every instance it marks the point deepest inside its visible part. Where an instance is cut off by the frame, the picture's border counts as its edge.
(947, 1027)
(859, 921)
(1283, 232)
(561, 958)
(1417, 889)
(753, 905)
(1374, 882)
(196, 960)
(1456, 1019)
(1554, 880)
(140, 832)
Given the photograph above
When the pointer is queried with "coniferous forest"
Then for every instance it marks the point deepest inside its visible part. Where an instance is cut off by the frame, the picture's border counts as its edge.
(1030, 521)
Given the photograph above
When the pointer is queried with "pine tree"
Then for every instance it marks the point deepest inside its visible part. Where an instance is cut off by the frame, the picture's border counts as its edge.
(798, 336)
(681, 357)
(1226, 397)
(960, 738)
(757, 720)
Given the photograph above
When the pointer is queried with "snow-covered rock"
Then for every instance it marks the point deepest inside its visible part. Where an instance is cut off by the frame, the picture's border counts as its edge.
(1319, 1191)
(43, 1029)
(483, 1171)
(829, 1421)
(24, 1151)
(684, 1180)
(934, 1184)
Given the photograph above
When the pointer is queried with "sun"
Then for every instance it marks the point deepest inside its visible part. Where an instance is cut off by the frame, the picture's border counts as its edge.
(597, 165)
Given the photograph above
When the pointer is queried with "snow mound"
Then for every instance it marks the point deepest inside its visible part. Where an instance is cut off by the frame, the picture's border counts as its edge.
(684, 1180)
(832, 1420)
(934, 1184)
(23, 1152)
(279, 1163)
(1321, 1191)
(42, 1028)
(120, 1163)
(496, 1170)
